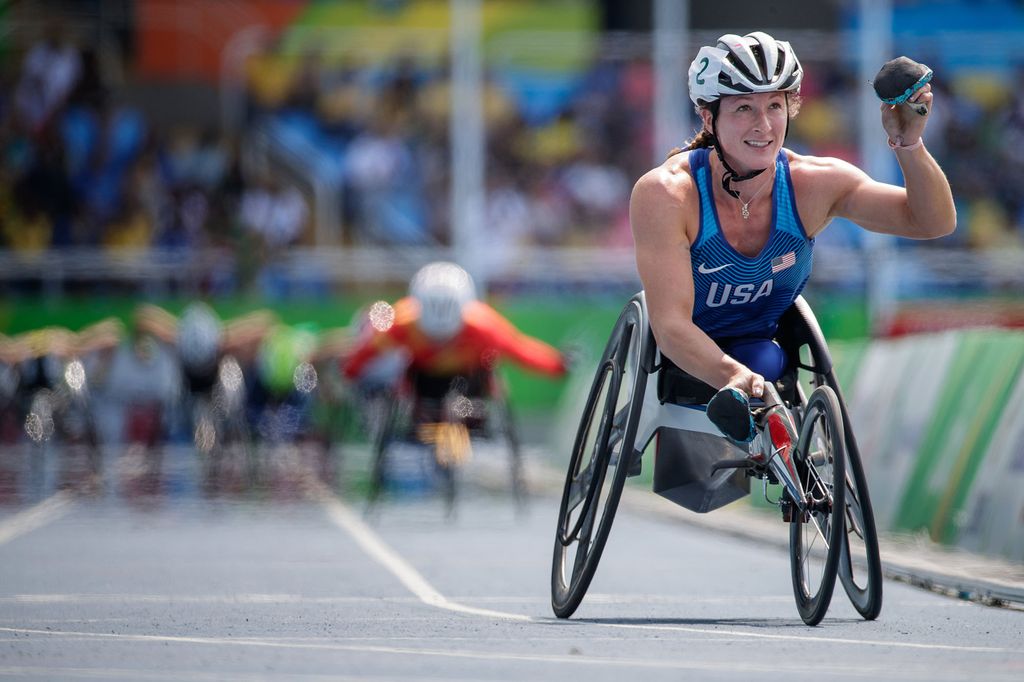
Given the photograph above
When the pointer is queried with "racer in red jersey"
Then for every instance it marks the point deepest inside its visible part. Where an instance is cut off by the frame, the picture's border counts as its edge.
(451, 343)
(445, 333)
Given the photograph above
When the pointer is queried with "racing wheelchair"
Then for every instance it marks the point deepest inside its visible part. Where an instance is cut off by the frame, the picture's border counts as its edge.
(430, 425)
(803, 442)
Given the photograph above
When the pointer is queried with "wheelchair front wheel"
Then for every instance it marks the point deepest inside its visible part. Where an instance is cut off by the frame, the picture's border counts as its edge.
(816, 536)
(601, 457)
(507, 431)
(387, 433)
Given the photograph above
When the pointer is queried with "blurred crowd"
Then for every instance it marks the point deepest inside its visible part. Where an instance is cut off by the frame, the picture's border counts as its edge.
(78, 168)
(81, 169)
(556, 177)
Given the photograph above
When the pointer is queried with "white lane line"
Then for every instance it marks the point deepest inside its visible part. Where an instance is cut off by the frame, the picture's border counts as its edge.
(707, 634)
(346, 519)
(798, 638)
(36, 516)
(732, 665)
(284, 598)
(50, 598)
(371, 543)
(54, 673)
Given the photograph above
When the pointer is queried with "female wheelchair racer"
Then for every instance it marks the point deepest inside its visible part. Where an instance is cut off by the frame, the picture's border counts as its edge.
(724, 233)
(451, 343)
(639, 394)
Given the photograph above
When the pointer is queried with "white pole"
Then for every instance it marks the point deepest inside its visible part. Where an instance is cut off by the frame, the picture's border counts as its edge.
(466, 135)
(671, 101)
(874, 47)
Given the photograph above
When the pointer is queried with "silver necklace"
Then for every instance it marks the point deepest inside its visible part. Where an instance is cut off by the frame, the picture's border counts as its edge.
(745, 211)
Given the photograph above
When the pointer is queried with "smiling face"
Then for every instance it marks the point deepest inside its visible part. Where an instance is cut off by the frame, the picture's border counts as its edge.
(750, 128)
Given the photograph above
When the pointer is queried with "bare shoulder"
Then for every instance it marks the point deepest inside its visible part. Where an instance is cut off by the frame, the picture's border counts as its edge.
(671, 181)
(821, 170)
(820, 183)
(664, 198)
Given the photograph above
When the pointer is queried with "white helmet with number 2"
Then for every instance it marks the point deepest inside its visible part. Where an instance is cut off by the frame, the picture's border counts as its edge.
(740, 65)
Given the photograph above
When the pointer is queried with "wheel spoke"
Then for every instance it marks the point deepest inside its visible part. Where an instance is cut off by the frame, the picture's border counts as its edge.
(583, 539)
(618, 427)
(808, 546)
(821, 488)
(582, 550)
(821, 532)
(580, 485)
(813, 483)
(811, 574)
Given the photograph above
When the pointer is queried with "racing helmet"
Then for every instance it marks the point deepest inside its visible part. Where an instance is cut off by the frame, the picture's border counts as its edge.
(441, 289)
(739, 65)
(199, 334)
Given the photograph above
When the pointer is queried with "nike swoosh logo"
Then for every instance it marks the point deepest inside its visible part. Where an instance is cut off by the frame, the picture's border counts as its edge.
(707, 271)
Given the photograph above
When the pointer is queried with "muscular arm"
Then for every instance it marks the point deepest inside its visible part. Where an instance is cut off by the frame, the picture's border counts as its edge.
(525, 350)
(923, 208)
(658, 215)
(365, 349)
(243, 335)
(103, 335)
(334, 343)
(154, 320)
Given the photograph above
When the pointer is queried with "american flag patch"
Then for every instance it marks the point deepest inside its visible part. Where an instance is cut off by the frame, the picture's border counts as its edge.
(784, 261)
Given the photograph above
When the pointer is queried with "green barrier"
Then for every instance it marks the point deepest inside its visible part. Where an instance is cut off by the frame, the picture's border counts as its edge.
(994, 512)
(841, 316)
(578, 321)
(975, 394)
(891, 403)
(592, 317)
(24, 314)
(582, 323)
(847, 357)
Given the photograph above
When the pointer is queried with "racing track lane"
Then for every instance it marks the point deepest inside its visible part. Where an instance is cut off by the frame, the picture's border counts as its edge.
(237, 590)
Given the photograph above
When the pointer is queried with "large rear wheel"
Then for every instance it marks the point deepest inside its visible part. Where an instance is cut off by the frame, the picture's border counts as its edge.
(860, 565)
(817, 536)
(601, 456)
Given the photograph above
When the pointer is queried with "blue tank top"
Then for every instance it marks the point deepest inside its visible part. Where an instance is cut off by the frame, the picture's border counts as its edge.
(739, 296)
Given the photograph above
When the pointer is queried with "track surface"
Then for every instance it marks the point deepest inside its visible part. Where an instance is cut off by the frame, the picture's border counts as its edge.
(307, 586)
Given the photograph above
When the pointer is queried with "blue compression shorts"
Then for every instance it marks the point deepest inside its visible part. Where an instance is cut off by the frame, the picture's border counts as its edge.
(761, 355)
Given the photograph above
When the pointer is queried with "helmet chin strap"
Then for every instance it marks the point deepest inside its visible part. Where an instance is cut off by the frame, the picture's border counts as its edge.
(729, 175)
